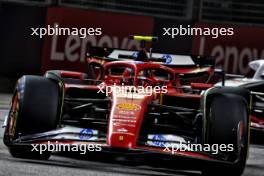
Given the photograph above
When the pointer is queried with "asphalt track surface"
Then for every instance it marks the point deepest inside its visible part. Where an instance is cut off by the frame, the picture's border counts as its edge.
(59, 164)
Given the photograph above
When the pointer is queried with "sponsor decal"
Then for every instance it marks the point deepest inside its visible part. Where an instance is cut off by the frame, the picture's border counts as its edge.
(168, 58)
(158, 140)
(118, 124)
(127, 113)
(122, 130)
(124, 120)
(123, 116)
(135, 54)
(86, 134)
(161, 140)
(121, 138)
(128, 106)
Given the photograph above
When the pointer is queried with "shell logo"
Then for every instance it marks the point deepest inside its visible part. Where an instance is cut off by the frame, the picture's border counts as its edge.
(121, 138)
(128, 106)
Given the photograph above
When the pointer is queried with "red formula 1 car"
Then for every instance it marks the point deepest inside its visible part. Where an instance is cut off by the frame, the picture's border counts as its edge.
(136, 107)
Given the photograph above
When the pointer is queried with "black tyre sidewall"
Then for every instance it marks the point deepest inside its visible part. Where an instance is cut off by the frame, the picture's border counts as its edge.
(39, 101)
(226, 111)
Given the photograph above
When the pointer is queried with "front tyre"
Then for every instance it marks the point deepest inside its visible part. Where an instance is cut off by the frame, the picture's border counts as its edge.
(34, 109)
(228, 120)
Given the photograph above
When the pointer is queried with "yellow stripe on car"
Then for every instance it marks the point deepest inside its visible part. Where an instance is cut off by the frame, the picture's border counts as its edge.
(145, 38)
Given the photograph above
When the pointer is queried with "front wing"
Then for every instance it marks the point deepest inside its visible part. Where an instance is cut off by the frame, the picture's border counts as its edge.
(77, 136)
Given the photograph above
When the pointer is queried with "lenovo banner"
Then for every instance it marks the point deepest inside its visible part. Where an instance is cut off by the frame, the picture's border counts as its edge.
(234, 51)
(105, 29)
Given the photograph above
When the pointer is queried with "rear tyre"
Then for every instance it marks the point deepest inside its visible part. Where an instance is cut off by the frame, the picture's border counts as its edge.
(34, 110)
(228, 124)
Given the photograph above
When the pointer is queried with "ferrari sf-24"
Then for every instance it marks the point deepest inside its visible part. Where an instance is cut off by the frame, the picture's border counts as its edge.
(150, 117)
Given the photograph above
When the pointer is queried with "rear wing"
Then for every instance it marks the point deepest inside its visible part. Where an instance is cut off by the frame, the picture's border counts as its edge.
(170, 60)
